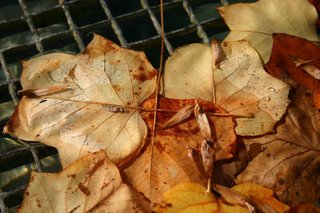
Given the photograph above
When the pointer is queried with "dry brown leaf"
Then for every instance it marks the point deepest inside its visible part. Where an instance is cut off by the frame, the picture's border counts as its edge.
(256, 22)
(97, 112)
(290, 161)
(169, 163)
(91, 184)
(242, 87)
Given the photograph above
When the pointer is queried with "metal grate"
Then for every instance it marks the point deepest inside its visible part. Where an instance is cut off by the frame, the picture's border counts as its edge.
(35, 27)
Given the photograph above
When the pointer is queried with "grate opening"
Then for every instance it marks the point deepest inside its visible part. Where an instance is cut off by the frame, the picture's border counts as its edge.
(174, 17)
(4, 94)
(134, 30)
(124, 7)
(95, 13)
(36, 6)
(103, 28)
(186, 37)
(49, 18)
(63, 42)
(20, 52)
(11, 28)
(30, 28)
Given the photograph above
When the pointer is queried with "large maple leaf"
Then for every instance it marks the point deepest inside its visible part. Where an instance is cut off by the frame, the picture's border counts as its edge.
(290, 161)
(255, 22)
(96, 110)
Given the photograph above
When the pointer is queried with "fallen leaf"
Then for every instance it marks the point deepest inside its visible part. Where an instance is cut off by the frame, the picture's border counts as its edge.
(91, 184)
(168, 164)
(290, 159)
(191, 197)
(242, 87)
(105, 84)
(256, 22)
(296, 59)
(284, 64)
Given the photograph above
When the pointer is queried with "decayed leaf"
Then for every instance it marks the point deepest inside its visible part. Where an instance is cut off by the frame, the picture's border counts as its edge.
(242, 87)
(290, 161)
(169, 163)
(255, 22)
(105, 84)
(91, 184)
(191, 197)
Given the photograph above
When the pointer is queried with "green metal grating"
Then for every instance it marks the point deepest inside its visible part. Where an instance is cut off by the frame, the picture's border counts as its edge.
(30, 28)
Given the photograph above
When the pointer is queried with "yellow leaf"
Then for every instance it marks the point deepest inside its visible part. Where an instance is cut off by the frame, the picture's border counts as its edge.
(191, 197)
(188, 197)
(92, 183)
(255, 22)
(98, 110)
(241, 85)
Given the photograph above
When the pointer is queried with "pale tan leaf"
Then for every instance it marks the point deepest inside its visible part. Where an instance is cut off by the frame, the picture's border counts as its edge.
(290, 159)
(91, 184)
(242, 86)
(255, 22)
(98, 112)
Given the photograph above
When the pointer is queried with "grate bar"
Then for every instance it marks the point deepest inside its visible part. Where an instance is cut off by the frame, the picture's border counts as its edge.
(29, 21)
(34, 153)
(3, 207)
(157, 26)
(11, 87)
(72, 26)
(114, 24)
(3, 195)
(201, 33)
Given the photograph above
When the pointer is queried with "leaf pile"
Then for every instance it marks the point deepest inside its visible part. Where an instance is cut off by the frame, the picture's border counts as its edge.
(176, 148)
